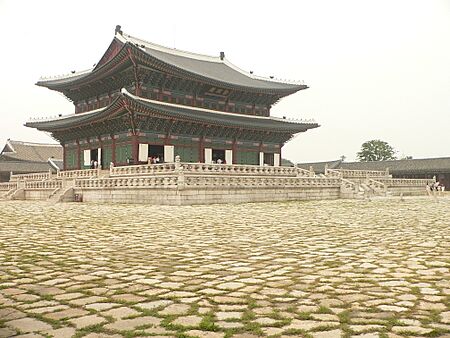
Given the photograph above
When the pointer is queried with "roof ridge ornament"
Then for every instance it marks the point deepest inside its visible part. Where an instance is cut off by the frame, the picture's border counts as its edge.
(118, 30)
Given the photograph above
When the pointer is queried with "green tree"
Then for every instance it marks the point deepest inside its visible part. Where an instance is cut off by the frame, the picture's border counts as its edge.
(376, 150)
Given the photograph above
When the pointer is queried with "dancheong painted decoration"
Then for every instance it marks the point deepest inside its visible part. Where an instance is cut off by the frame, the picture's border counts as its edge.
(142, 101)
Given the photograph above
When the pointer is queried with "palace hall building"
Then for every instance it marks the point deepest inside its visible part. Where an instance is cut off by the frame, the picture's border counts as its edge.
(142, 100)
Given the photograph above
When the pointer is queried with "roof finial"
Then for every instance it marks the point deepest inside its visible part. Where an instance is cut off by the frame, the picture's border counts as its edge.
(222, 55)
(118, 29)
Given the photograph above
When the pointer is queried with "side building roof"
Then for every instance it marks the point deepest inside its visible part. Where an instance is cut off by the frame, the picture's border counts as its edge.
(413, 166)
(30, 152)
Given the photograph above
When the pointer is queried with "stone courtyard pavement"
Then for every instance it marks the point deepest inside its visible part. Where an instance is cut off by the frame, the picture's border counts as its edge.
(320, 269)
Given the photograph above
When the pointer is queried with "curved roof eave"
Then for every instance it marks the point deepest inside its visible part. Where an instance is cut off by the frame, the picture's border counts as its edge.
(168, 110)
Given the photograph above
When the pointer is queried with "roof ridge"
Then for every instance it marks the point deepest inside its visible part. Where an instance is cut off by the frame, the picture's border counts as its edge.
(27, 143)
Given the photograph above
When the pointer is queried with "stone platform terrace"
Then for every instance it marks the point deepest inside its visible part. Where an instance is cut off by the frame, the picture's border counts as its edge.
(342, 268)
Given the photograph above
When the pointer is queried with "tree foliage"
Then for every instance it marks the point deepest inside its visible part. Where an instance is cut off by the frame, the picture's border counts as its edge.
(376, 150)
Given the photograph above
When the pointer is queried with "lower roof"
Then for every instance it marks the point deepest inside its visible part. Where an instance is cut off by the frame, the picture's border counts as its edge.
(172, 111)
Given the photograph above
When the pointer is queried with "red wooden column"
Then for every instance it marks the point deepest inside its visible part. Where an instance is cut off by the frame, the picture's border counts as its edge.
(64, 157)
(201, 149)
(135, 148)
(78, 155)
(113, 149)
(234, 149)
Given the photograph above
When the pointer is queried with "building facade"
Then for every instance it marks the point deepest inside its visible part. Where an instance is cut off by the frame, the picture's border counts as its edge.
(142, 101)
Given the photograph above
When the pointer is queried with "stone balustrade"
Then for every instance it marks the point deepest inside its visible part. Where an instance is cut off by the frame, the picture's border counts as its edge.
(259, 182)
(144, 169)
(160, 181)
(128, 182)
(71, 174)
(31, 177)
(408, 182)
(54, 184)
(348, 185)
(208, 169)
(6, 186)
(242, 170)
(346, 173)
(376, 185)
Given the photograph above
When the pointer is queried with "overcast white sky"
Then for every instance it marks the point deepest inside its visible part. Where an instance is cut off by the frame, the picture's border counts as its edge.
(376, 69)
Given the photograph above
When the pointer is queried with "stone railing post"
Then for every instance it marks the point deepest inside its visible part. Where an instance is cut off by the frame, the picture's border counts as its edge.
(326, 170)
(177, 162)
(311, 171)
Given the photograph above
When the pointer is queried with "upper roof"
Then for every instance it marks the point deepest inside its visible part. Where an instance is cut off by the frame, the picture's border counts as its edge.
(216, 69)
(419, 166)
(170, 111)
(31, 152)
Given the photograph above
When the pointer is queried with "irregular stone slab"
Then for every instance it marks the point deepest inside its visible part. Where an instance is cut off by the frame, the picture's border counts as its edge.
(27, 325)
(69, 296)
(26, 297)
(5, 332)
(445, 317)
(230, 286)
(88, 300)
(188, 321)
(229, 325)
(327, 334)
(271, 331)
(413, 329)
(129, 298)
(325, 317)
(205, 334)
(131, 324)
(86, 321)
(61, 333)
(41, 310)
(120, 312)
(175, 309)
(102, 335)
(211, 291)
(392, 308)
(228, 300)
(153, 305)
(170, 285)
(367, 335)
(432, 306)
(265, 321)
(10, 313)
(101, 306)
(307, 324)
(69, 313)
(364, 328)
(228, 315)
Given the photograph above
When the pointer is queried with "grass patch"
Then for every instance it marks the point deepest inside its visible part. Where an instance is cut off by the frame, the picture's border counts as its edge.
(207, 323)
(304, 316)
(324, 310)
